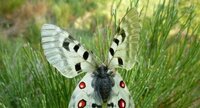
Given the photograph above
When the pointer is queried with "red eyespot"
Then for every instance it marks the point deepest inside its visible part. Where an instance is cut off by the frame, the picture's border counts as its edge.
(121, 103)
(81, 103)
(82, 85)
(122, 84)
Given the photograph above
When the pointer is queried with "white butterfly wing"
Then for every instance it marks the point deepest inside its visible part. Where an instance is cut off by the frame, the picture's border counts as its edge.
(83, 95)
(120, 96)
(64, 53)
(123, 48)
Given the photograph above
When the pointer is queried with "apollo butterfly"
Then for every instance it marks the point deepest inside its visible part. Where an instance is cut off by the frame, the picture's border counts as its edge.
(101, 84)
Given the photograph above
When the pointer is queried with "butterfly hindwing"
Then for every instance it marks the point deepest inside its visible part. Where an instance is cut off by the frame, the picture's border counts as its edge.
(65, 53)
(83, 95)
(123, 48)
(120, 96)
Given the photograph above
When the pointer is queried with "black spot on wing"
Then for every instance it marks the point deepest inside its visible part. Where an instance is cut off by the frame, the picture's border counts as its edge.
(76, 47)
(78, 67)
(94, 105)
(111, 105)
(66, 45)
(120, 61)
(112, 51)
(116, 41)
(123, 34)
(85, 55)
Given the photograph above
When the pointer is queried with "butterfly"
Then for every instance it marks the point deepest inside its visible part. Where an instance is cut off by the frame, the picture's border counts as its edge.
(102, 86)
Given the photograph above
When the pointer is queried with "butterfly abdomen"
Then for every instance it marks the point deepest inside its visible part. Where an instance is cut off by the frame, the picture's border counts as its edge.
(103, 83)
(103, 88)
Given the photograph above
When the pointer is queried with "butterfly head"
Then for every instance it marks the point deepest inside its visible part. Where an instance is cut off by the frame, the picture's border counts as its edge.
(102, 71)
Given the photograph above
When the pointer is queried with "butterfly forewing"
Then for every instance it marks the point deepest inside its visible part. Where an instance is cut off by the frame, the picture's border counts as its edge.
(123, 48)
(65, 53)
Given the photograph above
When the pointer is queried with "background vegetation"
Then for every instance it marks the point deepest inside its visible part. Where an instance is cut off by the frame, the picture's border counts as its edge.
(166, 75)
